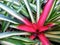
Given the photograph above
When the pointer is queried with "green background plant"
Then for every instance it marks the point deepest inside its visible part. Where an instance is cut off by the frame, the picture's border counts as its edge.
(8, 21)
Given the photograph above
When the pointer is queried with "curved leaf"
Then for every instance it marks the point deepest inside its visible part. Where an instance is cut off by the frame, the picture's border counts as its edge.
(8, 34)
(2, 17)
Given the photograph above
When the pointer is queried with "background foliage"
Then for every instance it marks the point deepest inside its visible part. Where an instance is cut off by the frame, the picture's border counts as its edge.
(9, 9)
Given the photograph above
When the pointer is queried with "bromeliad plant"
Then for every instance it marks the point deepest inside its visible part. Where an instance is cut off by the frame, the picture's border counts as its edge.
(34, 28)
(38, 29)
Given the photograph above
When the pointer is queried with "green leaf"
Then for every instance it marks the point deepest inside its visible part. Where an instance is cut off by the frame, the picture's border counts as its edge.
(54, 18)
(53, 32)
(12, 41)
(12, 12)
(8, 34)
(5, 24)
(38, 10)
(23, 39)
(33, 6)
(52, 9)
(29, 10)
(55, 40)
(2, 17)
(53, 36)
(13, 1)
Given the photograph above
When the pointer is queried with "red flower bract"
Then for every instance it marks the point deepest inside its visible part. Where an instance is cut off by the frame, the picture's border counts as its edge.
(38, 29)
